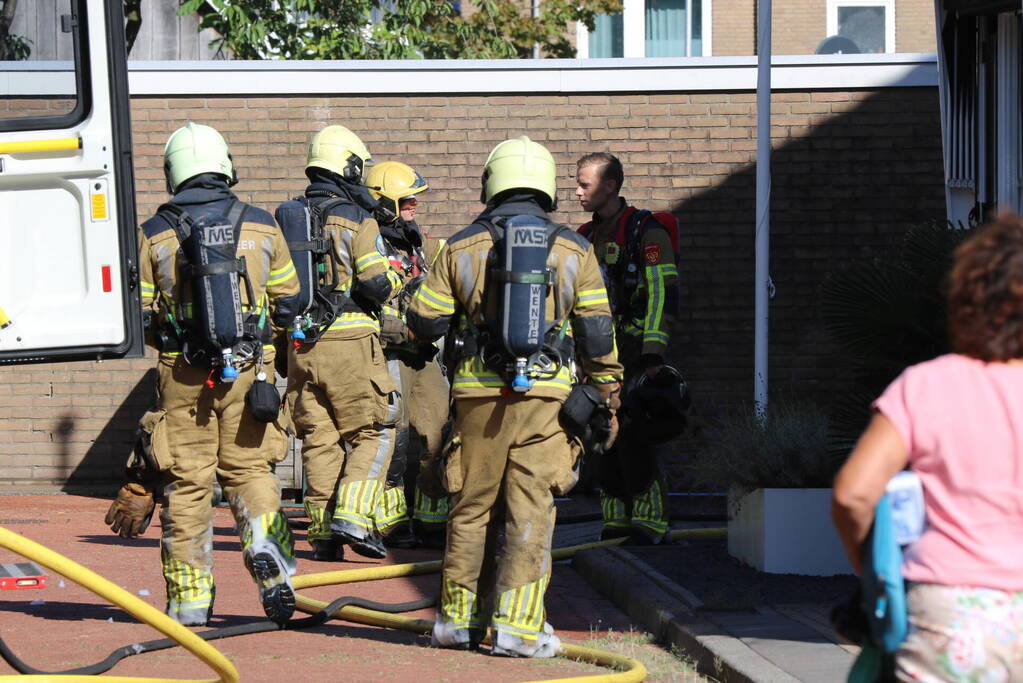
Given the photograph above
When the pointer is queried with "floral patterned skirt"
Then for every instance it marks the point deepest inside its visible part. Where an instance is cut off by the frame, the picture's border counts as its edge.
(960, 633)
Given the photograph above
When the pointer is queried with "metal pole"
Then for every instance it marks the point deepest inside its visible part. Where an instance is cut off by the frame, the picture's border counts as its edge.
(763, 228)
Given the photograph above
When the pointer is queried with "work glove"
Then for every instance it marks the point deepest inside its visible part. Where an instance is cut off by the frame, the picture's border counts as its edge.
(429, 480)
(392, 330)
(131, 511)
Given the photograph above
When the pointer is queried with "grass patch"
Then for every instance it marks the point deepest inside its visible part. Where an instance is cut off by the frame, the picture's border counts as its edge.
(661, 664)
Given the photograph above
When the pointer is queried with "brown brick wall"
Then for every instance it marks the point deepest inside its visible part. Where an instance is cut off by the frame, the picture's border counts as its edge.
(851, 171)
(914, 26)
(799, 26)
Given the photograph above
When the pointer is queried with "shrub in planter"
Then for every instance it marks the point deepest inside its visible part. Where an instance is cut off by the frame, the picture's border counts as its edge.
(790, 448)
(777, 471)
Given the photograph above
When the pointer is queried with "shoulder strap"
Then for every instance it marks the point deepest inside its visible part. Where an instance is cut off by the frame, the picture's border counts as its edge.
(321, 210)
(178, 218)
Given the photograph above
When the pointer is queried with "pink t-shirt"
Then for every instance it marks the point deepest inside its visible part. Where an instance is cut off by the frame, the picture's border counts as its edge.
(962, 421)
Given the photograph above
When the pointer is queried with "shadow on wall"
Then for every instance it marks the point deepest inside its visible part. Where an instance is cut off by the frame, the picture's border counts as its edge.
(101, 470)
(847, 187)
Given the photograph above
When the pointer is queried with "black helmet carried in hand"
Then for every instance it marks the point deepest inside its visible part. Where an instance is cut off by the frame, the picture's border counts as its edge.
(656, 407)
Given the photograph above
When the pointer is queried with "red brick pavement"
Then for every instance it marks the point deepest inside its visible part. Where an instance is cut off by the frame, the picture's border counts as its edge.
(65, 625)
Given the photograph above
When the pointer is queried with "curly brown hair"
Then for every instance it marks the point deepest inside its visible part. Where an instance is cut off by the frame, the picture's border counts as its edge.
(985, 294)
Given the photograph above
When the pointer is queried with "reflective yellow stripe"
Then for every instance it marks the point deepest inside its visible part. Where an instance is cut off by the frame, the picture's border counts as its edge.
(367, 260)
(591, 297)
(521, 610)
(439, 302)
(473, 374)
(356, 501)
(394, 279)
(348, 321)
(458, 606)
(654, 299)
(391, 509)
(281, 275)
(147, 287)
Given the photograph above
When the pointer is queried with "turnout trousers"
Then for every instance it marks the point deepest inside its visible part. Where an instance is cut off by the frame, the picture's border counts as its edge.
(633, 488)
(507, 456)
(209, 435)
(425, 398)
(345, 407)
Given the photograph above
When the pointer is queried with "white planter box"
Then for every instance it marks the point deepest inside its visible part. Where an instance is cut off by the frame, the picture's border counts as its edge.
(786, 531)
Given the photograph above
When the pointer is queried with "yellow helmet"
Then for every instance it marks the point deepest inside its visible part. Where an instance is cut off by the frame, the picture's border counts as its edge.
(338, 150)
(520, 163)
(194, 149)
(390, 182)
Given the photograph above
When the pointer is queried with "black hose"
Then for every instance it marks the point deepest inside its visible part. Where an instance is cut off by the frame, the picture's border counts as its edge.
(217, 633)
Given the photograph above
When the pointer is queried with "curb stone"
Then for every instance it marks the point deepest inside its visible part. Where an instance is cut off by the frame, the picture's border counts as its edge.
(666, 610)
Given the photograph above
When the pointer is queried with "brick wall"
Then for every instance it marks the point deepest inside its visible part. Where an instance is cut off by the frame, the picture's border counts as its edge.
(851, 171)
(799, 26)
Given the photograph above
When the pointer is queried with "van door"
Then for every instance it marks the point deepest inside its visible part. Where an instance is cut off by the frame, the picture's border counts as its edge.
(68, 276)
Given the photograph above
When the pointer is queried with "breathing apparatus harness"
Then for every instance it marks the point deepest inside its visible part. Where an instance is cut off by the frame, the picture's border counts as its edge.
(321, 299)
(218, 334)
(623, 265)
(520, 345)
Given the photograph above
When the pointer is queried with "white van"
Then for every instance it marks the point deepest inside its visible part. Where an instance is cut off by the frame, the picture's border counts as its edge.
(68, 276)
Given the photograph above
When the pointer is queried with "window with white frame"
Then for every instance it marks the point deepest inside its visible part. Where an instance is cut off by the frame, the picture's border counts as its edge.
(868, 23)
(650, 28)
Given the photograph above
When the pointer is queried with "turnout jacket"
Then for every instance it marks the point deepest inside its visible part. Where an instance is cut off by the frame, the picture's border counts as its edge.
(411, 256)
(268, 262)
(646, 317)
(453, 293)
(362, 269)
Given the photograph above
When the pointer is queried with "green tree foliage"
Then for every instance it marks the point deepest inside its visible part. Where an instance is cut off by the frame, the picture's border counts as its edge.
(401, 29)
(12, 47)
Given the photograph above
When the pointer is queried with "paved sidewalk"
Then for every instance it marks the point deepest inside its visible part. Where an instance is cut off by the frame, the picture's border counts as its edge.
(752, 643)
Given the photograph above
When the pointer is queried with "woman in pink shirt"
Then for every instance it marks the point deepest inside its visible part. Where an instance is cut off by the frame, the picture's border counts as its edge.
(957, 422)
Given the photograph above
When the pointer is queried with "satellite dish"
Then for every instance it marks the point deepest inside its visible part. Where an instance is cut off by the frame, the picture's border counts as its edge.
(837, 45)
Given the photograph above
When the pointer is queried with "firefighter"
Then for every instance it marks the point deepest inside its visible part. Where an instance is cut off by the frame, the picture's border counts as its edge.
(513, 287)
(344, 403)
(415, 367)
(209, 262)
(636, 252)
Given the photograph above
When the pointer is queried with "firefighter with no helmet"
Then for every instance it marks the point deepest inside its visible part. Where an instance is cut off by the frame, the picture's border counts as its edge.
(216, 273)
(524, 299)
(636, 253)
(397, 188)
(344, 403)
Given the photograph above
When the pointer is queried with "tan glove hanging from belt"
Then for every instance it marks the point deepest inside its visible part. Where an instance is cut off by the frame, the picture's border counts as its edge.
(130, 513)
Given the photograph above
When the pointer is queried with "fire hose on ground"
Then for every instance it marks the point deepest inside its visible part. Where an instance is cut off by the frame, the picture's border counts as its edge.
(349, 608)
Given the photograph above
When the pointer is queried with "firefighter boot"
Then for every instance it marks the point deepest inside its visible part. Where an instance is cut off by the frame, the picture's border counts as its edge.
(269, 556)
(328, 550)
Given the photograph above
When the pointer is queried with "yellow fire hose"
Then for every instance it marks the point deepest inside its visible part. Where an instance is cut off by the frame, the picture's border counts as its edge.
(126, 601)
(632, 671)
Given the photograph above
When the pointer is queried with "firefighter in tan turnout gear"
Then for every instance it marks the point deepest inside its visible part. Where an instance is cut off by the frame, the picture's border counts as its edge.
(344, 403)
(524, 297)
(216, 271)
(415, 367)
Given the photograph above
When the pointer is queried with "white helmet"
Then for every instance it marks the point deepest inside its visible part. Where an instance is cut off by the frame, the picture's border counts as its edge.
(194, 149)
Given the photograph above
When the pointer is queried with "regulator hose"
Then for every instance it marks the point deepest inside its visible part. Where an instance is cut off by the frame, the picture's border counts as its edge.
(263, 626)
